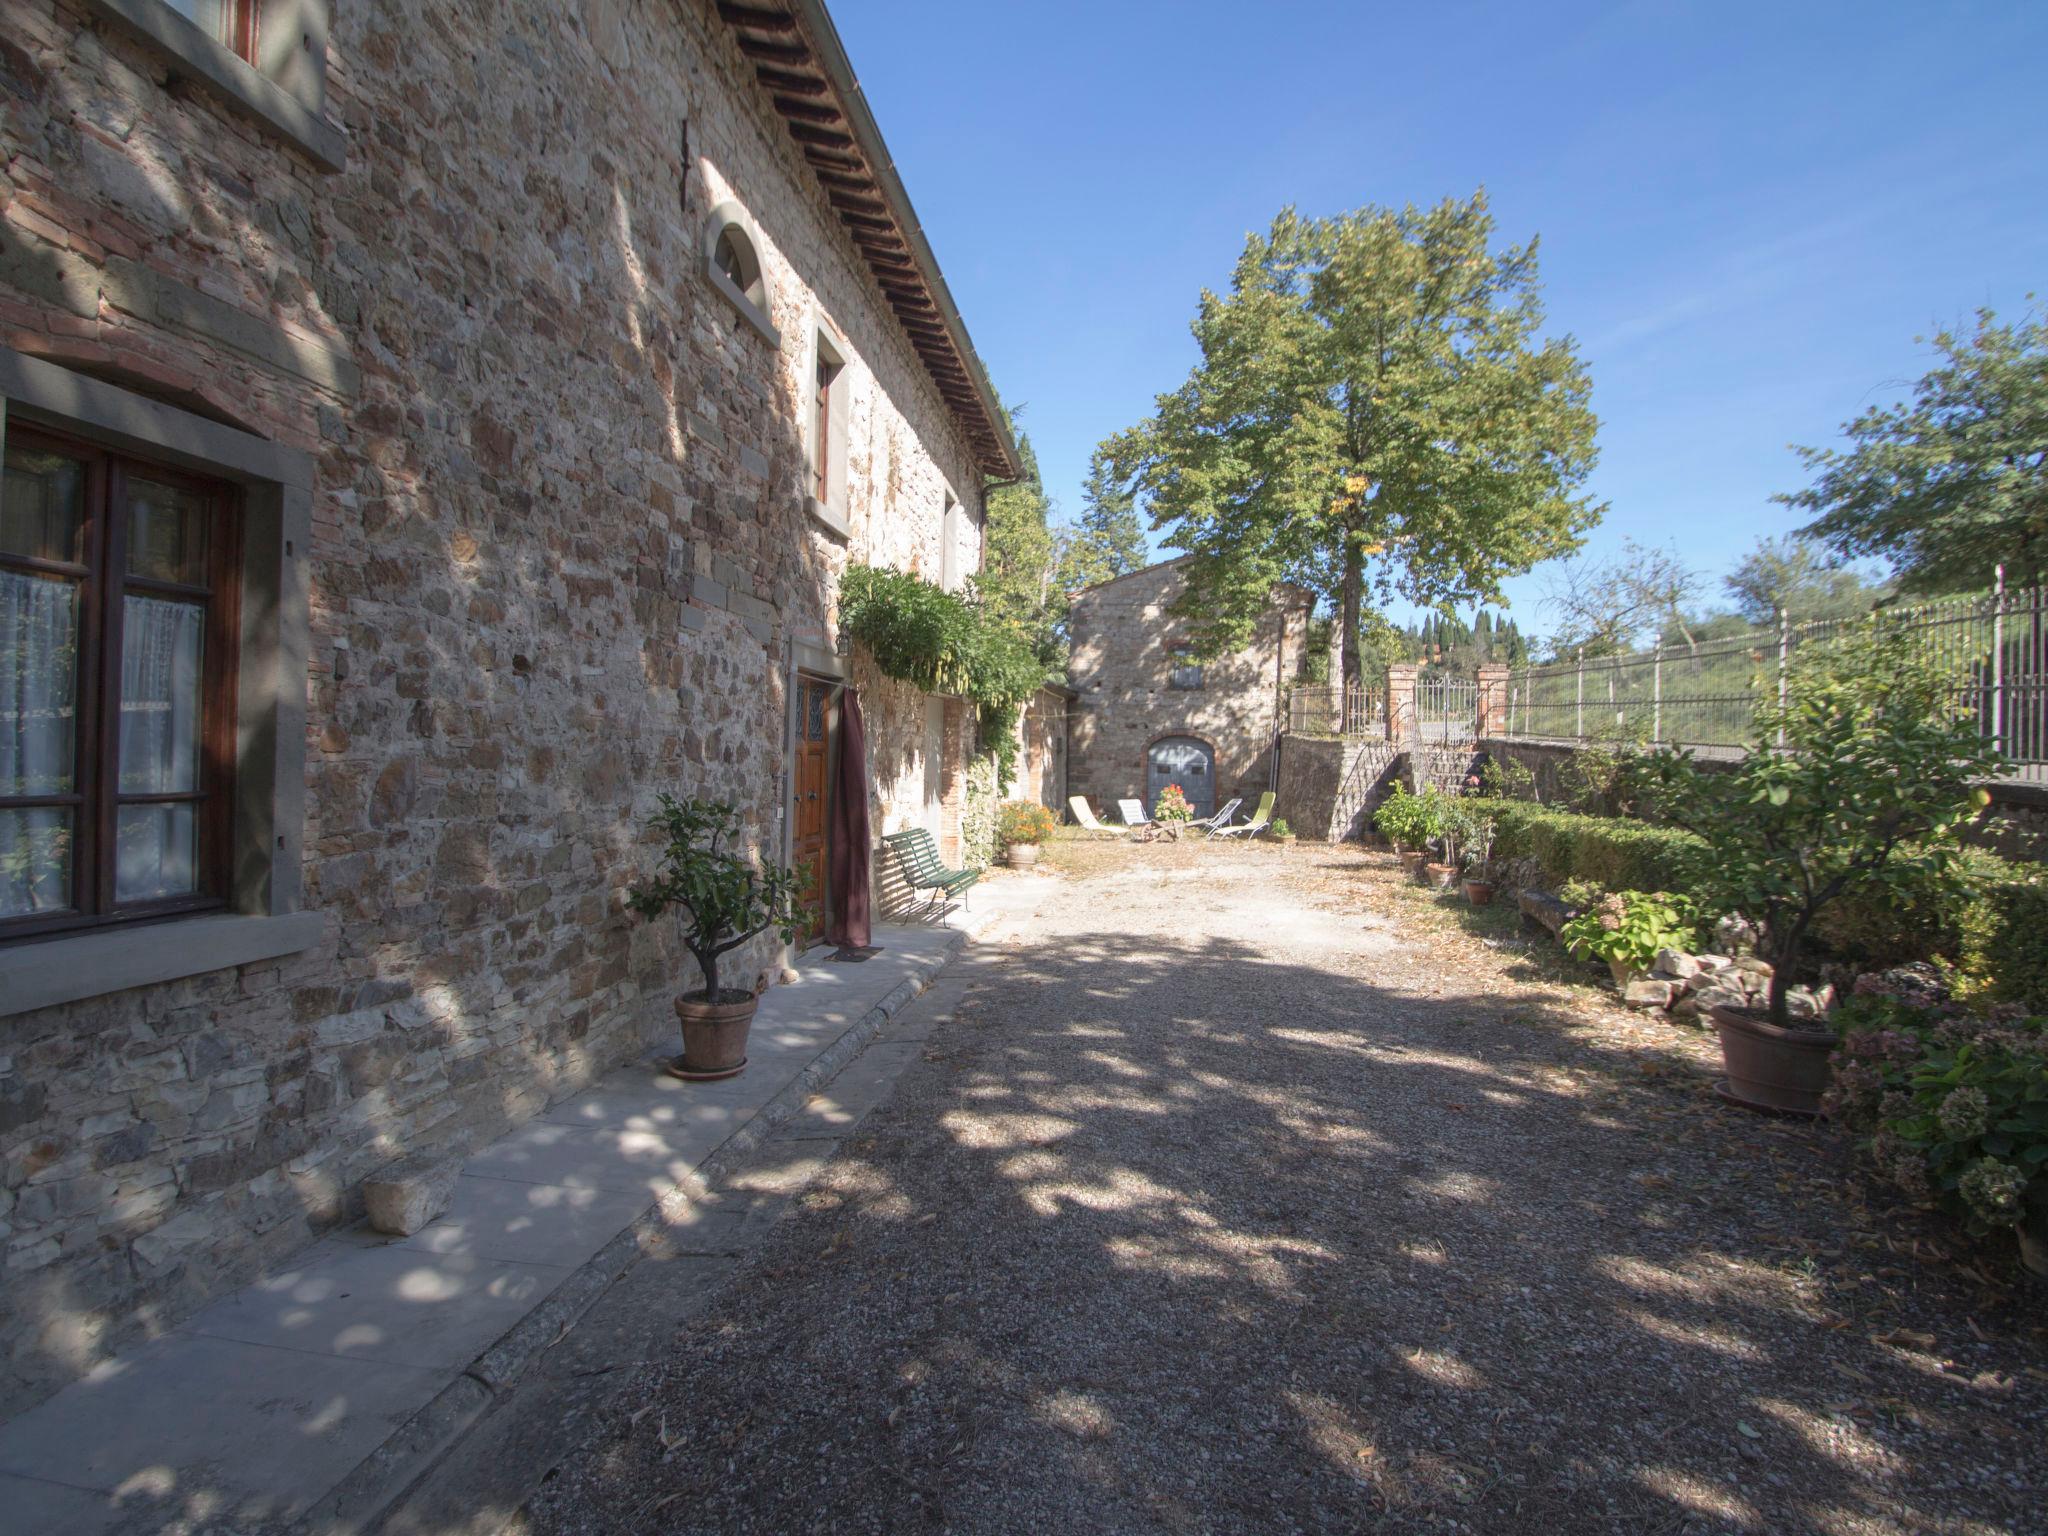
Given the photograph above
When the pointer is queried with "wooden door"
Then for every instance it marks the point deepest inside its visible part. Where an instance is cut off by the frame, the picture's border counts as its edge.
(813, 780)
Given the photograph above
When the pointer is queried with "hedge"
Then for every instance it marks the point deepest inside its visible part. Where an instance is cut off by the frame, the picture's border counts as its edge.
(1619, 855)
(1994, 936)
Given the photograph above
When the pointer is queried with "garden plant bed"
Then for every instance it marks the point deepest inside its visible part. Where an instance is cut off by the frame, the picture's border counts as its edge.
(1255, 1192)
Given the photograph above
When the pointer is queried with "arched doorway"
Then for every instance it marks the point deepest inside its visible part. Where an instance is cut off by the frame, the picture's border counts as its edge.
(1184, 761)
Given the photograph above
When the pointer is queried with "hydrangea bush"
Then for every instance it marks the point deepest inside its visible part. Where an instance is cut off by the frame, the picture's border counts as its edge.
(1953, 1106)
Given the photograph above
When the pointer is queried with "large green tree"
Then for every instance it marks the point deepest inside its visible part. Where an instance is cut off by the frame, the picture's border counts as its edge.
(1375, 407)
(1109, 540)
(1953, 482)
(1020, 555)
(1797, 578)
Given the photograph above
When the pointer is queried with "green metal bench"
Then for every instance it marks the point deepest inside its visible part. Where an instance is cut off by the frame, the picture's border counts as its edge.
(922, 871)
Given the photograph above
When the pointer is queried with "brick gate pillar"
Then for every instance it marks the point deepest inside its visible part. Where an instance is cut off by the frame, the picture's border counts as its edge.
(1493, 700)
(1401, 701)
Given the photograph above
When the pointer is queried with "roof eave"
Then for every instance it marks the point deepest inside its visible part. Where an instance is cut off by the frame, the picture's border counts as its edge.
(995, 447)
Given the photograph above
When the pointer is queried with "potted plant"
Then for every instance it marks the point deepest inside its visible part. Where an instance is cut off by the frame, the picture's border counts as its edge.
(1627, 928)
(1022, 825)
(727, 898)
(1173, 811)
(1860, 779)
(1479, 830)
(1280, 832)
(1398, 819)
(1437, 814)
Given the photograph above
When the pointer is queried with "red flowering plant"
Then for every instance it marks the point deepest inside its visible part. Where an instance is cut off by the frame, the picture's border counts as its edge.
(1173, 805)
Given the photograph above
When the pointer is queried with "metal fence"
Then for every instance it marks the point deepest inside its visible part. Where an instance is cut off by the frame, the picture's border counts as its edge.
(1331, 709)
(1994, 646)
(1446, 708)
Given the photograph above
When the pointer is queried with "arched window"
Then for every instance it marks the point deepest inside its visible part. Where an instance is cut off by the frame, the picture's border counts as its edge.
(732, 261)
(742, 268)
(1184, 761)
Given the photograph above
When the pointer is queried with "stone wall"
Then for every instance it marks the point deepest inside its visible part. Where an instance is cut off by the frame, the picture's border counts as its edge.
(1042, 751)
(559, 561)
(1329, 786)
(1123, 637)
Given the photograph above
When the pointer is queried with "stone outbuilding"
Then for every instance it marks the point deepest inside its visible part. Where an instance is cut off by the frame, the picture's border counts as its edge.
(1147, 712)
(429, 433)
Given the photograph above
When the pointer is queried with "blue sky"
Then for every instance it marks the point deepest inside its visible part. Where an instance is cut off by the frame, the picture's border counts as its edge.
(1747, 212)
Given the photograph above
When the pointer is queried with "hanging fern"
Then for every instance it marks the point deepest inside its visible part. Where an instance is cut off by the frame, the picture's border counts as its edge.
(938, 642)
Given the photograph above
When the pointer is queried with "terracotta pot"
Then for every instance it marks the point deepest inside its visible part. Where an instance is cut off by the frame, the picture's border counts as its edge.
(1480, 892)
(1023, 855)
(1410, 861)
(2034, 1236)
(1438, 876)
(714, 1035)
(1771, 1068)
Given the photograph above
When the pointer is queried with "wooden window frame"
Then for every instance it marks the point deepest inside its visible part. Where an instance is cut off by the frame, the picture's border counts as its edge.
(246, 16)
(96, 797)
(827, 374)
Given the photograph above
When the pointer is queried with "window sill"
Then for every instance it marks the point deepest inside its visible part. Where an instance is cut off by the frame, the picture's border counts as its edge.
(831, 519)
(69, 970)
(749, 310)
(238, 83)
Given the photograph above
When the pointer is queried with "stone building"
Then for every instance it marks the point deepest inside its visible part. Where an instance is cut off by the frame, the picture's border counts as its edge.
(1042, 748)
(430, 431)
(1147, 713)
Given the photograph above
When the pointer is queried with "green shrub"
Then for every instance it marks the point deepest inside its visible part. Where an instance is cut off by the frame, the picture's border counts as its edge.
(1868, 793)
(939, 642)
(1987, 928)
(1403, 819)
(1631, 926)
(2003, 955)
(1615, 855)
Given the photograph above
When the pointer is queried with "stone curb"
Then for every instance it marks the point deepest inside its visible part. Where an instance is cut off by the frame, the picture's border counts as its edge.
(357, 1503)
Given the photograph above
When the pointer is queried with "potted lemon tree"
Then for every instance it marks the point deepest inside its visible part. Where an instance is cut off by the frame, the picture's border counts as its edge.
(1860, 782)
(726, 898)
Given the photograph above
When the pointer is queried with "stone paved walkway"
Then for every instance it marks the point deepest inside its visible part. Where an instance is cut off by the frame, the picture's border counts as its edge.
(1254, 1192)
(311, 1390)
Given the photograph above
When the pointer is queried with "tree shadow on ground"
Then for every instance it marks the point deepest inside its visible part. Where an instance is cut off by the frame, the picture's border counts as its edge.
(1200, 1235)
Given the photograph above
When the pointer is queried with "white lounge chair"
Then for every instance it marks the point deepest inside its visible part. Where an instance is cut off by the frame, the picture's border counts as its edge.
(1213, 824)
(1133, 812)
(1260, 818)
(1077, 807)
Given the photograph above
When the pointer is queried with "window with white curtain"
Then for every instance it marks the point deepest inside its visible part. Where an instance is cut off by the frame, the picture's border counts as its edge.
(117, 611)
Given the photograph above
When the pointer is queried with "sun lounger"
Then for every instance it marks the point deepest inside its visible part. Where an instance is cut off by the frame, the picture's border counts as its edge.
(1077, 807)
(1260, 818)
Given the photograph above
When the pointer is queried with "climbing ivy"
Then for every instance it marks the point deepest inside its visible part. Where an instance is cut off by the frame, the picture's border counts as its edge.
(938, 642)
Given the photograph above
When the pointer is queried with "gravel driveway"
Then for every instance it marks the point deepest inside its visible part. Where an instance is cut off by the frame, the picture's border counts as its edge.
(1251, 1191)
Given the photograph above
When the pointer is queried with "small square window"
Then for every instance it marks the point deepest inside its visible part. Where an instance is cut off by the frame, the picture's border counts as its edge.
(1187, 672)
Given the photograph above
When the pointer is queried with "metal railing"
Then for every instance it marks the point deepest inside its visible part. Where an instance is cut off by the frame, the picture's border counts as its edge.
(1994, 646)
(1331, 709)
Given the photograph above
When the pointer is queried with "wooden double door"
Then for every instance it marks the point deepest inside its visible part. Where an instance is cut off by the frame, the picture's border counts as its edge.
(817, 719)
